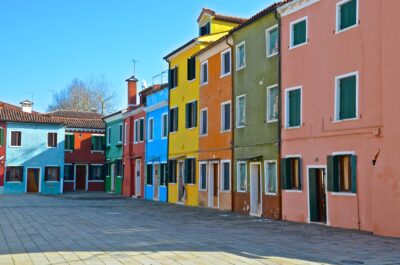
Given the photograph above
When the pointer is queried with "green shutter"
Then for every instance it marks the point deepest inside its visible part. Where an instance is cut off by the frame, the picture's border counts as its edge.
(187, 171)
(193, 171)
(141, 125)
(194, 114)
(299, 32)
(333, 173)
(294, 108)
(354, 174)
(72, 142)
(347, 97)
(300, 173)
(176, 76)
(187, 115)
(312, 188)
(93, 142)
(286, 173)
(348, 14)
(1, 136)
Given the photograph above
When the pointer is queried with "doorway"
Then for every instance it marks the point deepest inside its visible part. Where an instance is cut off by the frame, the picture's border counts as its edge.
(80, 177)
(138, 182)
(181, 182)
(255, 189)
(112, 189)
(33, 180)
(317, 194)
(213, 181)
(156, 181)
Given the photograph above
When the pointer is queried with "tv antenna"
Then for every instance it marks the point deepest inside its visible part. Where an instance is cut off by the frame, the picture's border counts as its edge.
(134, 65)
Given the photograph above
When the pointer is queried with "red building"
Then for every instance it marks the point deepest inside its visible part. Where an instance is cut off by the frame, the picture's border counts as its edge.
(84, 150)
(3, 133)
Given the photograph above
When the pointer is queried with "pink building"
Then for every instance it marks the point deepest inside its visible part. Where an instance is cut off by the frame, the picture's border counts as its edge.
(339, 113)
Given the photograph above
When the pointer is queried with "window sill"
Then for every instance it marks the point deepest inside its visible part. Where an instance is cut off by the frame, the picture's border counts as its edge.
(271, 194)
(203, 84)
(203, 190)
(294, 127)
(225, 131)
(240, 68)
(69, 181)
(191, 128)
(338, 31)
(191, 81)
(191, 184)
(241, 191)
(294, 191)
(346, 194)
(271, 55)
(240, 127)
(344, 120)
(272, 121)
(15, 146)
(96, 151)
(203, 135)
(225, 75)
(225, 191)
(298, 45)
(52, 181)
(68, 151)
(14, 182)
(51, 147)
(95, 181)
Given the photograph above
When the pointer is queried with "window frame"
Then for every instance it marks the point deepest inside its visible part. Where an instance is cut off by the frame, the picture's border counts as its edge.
(6, 175)
(202, 81)
(144, 132)
(226, 161)
(125, 133)
(223, 104)
(267, 36)
(344, 193)
(194, 124)
(150, 131)
(201, 134)
(338, 18)
(67, 135)
(266, 162)
(188, 69)
(291, 27)
(164, 125)
(120, 133)
(287, 125)
(238, 177)
(268, 103)
(337, 96)
(300, 158)
(136, 131)
(10, 143)
(100, 150)
(223, 62)
(202, 163)
(73, 173)
(238, 67)
(174, 77)
(56, 142)
(171, 117)
(45, 173)
(102, 171)
(109, 136)
(238, 126)
(3, 136)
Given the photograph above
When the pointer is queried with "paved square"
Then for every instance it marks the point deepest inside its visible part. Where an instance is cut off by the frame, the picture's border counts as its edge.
(100, 229)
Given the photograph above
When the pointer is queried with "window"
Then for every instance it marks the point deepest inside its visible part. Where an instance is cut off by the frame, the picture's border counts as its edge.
(225, 63)
(342, 171)
(151, 129)
(346, 97)
(191, 66)
(68, 173)
(51, 140)
(119, 168)
(97, 143)
(346, 14)
(203, 122)
(16, 139)
(191, 114)
(205, 29)
(241, 111)
(173, 77)
(126, 133)
(190, 170)
(109, 136)
(141, 130)
(172, 171)
(203, 176)
(271, 183)
(226, 175)
(52, 174)
(298, 32)
(226, 116)
(136, 135)
(163, 174)
(291, 173)
(120, 133)
(164, 125)
(272, 41)
(1, 136)
(14, 174)
(204, 73)
(293, 107)
(149, 174)
(242, 176)
(240, 56)
(69, 142)
(173, 119)
(272, 103)
(96, 173)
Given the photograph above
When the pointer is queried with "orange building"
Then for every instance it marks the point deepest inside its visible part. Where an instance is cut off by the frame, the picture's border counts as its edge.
(215, 131)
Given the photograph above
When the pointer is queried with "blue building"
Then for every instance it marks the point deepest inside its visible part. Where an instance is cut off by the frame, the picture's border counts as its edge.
(156, 142)
(35, 151)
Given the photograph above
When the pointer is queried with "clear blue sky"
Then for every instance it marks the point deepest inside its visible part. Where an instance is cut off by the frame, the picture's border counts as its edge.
(44, 44)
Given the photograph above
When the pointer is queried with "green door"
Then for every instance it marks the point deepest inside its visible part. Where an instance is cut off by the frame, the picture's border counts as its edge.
(312, 187)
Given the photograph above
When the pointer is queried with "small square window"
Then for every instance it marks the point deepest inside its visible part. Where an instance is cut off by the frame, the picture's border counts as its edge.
(16, 139)
(14, 174)
(52, 140)
(96, 173)
(346, 14)
(240, 56)
(97, 143)
(298, 32)
(52, 174)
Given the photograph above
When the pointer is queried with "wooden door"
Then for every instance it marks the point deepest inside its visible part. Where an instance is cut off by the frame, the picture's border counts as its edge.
(317, 195)
(81, 178)
(216, 186)
(33, 180)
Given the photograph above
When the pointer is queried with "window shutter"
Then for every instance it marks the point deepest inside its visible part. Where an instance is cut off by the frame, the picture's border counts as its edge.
(189, 68)
(187, 116)
(176, 117)
(72, 142)
(1, 136)
(313, 195)
(286, 174)
(194, 119)
(333, 174)
(299, 33)
(347, 98)
(300, 173)
(354, 174)
(149, 174)
(91, 168)
(193, 170)
(176, 77)
(348, 13)
(141, 122)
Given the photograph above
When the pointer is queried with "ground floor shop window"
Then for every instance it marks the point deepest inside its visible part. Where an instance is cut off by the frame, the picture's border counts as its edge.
(96, 172)
(291, 173)
(14, 174)
(52, 174)
(342, 171)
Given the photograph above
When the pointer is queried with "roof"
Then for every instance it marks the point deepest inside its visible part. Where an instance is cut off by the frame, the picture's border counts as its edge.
(213, 44)
(112, 114)
(153, 89)
(12, 107)
(217, 16)
(14, 115)
(78, 119)
(180, 48)
(75, 114)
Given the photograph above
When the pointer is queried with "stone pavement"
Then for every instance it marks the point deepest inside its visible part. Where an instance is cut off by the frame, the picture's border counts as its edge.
(88, 230)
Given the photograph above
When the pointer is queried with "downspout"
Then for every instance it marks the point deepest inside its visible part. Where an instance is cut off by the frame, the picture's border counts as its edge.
(279, 110)
(169, 101)
(233, 125)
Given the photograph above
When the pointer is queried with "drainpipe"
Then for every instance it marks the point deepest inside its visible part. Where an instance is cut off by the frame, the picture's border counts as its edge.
(279, 110)
(233, 124)
(169, 101)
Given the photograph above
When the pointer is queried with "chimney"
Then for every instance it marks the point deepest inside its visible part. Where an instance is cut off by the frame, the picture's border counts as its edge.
(26, 106)
(132, 91)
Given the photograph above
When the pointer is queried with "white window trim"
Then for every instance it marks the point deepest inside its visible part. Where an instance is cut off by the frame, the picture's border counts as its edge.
(223, 116)
(95, 181)
(268, 97)
(287, 107)
(337, 102)
(136, 127)
(295, 190)
(202, 82)
(223, 63)
(291, 32)
(144, 131)
(150, 130)
(201, 122)
(16, 182)
(200, 181)
(237, 111)
(243, 43)
(125, 133)
(267, 34)
(68, 181)
(44, 174)
(108, 136)
(338, 5)
(120, 133)
(222, 175)
(163, 125)
(238, 177)
(47, 142)
(10, 137)
(266, 162)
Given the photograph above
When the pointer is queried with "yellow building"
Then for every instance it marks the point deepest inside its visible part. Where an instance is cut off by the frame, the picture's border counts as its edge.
(184, 82)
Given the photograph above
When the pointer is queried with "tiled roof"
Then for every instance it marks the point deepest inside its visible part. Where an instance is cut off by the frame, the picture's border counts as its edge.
(12, 107)
(78, 119)
(220, 16)
(153, 89)
(13, 115)
(75, 114)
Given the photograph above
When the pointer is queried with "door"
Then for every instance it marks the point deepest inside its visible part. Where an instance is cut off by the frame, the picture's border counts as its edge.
(156, 181)
(181, 182)
(213, 189)
(112, 177)
(255, 189)
(138, 182)
(317, 195)
(80, 177)
(33, 180)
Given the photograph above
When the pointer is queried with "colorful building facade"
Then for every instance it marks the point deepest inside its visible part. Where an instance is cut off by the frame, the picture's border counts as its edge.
(3, 140)
(256, 95)
(156, 108)
(184, 84)
(215, 125)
